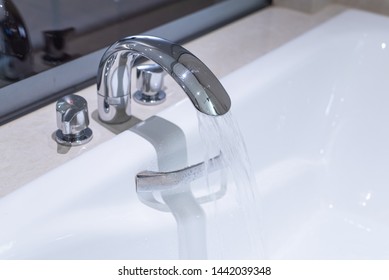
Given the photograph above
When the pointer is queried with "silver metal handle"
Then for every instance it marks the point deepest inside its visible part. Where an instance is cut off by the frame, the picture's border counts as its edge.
(72, 121)
(149, 81)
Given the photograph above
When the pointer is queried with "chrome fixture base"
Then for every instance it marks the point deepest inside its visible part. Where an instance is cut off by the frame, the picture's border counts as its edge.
(74, 140)
(72, 121)
(145, 99)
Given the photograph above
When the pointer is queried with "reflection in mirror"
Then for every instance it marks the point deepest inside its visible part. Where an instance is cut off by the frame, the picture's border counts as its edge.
(15, 47)
(37, 35)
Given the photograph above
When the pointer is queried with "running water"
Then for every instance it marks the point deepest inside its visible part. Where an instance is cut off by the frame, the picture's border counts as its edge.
(238, 227)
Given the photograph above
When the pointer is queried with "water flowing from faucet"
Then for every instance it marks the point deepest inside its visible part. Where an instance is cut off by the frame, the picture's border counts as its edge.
(223, 133)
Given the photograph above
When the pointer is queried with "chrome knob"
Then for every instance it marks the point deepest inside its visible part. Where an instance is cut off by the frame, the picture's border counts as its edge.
(72, 121)
(149, 81)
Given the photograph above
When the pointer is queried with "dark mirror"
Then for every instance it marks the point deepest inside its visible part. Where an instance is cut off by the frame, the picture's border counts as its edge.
(41, 34)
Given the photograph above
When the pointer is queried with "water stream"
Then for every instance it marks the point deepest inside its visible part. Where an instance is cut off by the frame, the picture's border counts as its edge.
(190, 218)
(234, 231)
(220, 221)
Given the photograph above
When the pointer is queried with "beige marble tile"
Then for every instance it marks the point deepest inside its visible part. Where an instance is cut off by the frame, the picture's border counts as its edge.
(307, 6)
(376, 6)
(314, 6)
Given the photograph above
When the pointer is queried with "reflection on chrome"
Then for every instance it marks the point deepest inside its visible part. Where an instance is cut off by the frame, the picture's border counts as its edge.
(199, 83)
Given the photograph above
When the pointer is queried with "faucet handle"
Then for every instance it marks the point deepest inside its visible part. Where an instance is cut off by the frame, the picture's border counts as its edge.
(149, 81)
(72, 121)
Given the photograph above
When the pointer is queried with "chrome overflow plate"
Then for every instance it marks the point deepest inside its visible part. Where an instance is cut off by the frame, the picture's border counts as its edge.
(72, 121)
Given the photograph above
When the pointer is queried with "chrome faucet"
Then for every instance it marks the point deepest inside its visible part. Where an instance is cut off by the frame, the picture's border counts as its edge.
(114, 77)
(207, 95)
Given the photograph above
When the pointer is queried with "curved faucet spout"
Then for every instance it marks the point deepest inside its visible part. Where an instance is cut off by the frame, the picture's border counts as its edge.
(199, 83)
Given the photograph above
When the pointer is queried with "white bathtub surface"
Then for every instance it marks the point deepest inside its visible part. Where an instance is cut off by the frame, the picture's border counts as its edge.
(315, 118)
(314, 115)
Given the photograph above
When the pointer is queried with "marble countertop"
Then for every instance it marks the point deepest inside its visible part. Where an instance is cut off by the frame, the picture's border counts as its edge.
(27, 147)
